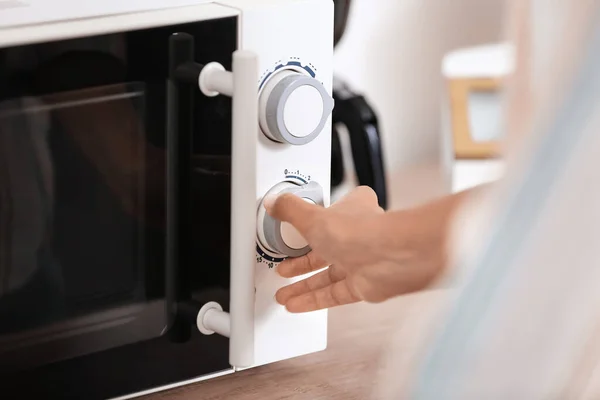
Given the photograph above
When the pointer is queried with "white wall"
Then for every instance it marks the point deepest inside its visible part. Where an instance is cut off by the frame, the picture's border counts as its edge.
(392, 51)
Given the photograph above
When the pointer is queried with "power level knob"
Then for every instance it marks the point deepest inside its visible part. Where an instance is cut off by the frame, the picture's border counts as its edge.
(293, 108)
(281, 237)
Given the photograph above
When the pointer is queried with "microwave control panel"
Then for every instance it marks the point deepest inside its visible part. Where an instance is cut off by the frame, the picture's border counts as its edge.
(294, 106)
(280, 238)
(292, 153)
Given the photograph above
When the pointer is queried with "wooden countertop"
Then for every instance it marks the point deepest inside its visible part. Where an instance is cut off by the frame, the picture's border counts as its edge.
(354, 366)
(370, 351)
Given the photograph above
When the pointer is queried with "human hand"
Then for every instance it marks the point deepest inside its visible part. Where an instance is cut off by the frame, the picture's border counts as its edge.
(372, 255)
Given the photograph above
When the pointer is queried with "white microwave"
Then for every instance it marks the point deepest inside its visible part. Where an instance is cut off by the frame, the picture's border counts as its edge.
(137, 140)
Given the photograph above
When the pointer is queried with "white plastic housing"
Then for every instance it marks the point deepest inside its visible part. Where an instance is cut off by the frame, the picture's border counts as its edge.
(243, 220)
(45, 20)
(242, 85)
(280, 31)
(214, 80)
(212, 319)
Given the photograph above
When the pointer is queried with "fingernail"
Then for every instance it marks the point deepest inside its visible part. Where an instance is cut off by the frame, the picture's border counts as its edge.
(278, 270)
(281, 271)
(277, 300)
(294, 306)
(269, 201)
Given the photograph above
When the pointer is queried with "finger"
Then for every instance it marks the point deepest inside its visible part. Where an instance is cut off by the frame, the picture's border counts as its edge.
(293, 267)
(334, 295)
(315, 282)
(293, 209)
(360, 193)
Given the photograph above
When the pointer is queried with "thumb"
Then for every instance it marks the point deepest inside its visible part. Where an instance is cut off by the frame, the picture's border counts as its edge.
(292, 209)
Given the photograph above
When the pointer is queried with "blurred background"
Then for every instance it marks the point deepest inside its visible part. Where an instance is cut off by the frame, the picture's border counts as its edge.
(391, 52)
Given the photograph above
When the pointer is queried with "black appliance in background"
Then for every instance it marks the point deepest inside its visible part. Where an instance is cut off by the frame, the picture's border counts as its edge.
(354, 112)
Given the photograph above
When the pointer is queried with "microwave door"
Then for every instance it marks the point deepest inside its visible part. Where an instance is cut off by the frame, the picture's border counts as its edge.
(73, 242)
(84, 157)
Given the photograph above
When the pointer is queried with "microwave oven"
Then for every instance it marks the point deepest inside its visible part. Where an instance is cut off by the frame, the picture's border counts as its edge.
(137, 141)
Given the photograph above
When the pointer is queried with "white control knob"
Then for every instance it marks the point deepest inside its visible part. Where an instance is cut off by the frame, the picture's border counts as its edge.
(281, 237)
(293, 108)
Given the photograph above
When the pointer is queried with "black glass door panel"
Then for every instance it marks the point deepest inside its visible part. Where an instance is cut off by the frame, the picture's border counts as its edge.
(83, 214)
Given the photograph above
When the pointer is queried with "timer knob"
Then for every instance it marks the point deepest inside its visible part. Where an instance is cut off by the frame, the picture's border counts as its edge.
(293, 107)
(281, 237)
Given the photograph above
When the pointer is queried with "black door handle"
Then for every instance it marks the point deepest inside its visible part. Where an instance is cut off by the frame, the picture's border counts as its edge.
(180, 100)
